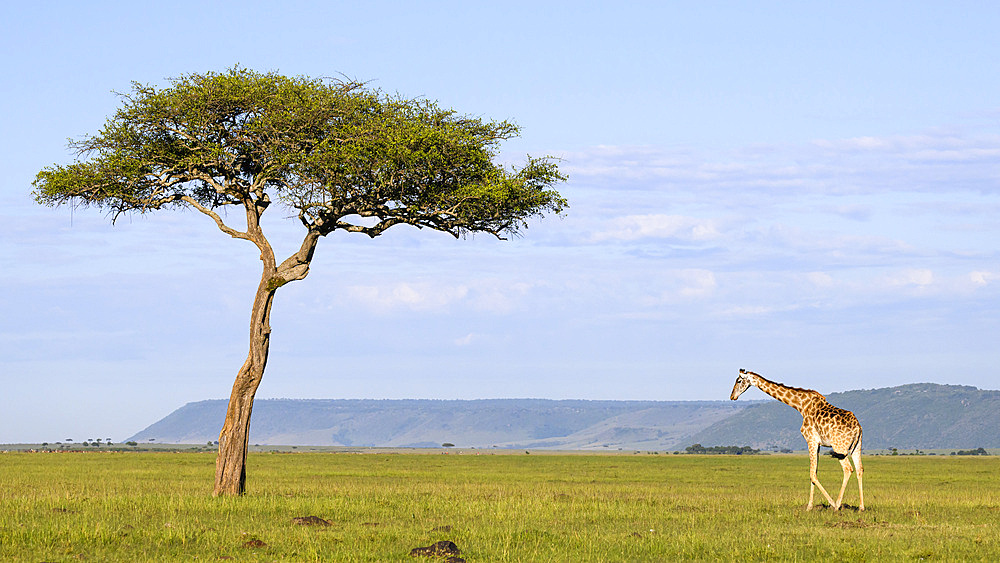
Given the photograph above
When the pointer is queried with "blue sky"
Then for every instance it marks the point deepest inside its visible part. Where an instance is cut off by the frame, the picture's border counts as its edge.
(807, 190)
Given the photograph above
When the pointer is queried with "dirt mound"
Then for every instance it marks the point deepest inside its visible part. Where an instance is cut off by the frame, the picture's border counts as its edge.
(310, 521)
(444, 548)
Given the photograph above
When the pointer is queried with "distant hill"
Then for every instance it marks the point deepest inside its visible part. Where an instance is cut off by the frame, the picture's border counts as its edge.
(922, 415)
(504, 423)
(919, 415)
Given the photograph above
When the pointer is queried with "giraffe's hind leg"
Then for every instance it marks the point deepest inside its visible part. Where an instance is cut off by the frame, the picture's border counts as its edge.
(845, 463)
(859, 471)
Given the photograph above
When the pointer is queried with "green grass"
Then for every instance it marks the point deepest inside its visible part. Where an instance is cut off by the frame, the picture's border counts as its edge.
(157, 506)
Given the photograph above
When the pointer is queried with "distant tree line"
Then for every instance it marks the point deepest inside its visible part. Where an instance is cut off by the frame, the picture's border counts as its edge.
(977, 451)
(726, 450)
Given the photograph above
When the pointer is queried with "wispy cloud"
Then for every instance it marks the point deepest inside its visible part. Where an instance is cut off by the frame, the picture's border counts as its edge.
(684, 285)
(863, 165)
(490, 295)
(633, 227)
(982, 279)
(916, 277)
(465, 340)
(426, 296)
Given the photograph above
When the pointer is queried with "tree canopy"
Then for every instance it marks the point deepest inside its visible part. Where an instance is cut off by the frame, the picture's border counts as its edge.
(333, 150)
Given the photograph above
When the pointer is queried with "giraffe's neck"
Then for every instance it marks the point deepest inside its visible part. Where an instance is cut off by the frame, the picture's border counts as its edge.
(794, 397)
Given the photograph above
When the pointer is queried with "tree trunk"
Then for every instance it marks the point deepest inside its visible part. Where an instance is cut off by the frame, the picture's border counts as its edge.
(230, 465)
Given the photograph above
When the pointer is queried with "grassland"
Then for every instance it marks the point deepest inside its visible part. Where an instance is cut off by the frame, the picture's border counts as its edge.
(157, 507)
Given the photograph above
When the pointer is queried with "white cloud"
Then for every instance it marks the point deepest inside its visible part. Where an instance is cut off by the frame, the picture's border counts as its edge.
(981, 278)
(939, 162)
(403, 295)
(697, 283)
(914, 277)
(492, 295)
(634, 227)
(940, 146)
(684, 285)
(754, 310)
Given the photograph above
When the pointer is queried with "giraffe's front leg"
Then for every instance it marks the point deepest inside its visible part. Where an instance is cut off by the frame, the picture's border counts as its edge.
(814, 477)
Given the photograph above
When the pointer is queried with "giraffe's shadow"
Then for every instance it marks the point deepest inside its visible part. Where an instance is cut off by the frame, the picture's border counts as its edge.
(843, 507)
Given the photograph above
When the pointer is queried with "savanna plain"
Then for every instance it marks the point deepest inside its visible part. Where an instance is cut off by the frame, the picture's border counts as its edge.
(151, 506)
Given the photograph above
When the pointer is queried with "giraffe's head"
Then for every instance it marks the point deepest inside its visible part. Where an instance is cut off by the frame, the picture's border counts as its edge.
(743, 383)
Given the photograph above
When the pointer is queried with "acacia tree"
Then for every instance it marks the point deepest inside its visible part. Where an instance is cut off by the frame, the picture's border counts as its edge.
(339, 155)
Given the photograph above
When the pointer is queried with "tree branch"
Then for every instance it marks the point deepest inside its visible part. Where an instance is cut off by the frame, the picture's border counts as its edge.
(218, 220)
(296, 266)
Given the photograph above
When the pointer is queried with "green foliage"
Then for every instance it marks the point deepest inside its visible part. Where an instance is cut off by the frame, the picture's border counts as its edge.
(977, 451)
(721, 450)
(154, 507)
(329, 149)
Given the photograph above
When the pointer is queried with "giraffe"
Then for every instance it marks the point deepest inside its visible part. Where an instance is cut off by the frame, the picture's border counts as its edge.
(822, 425)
